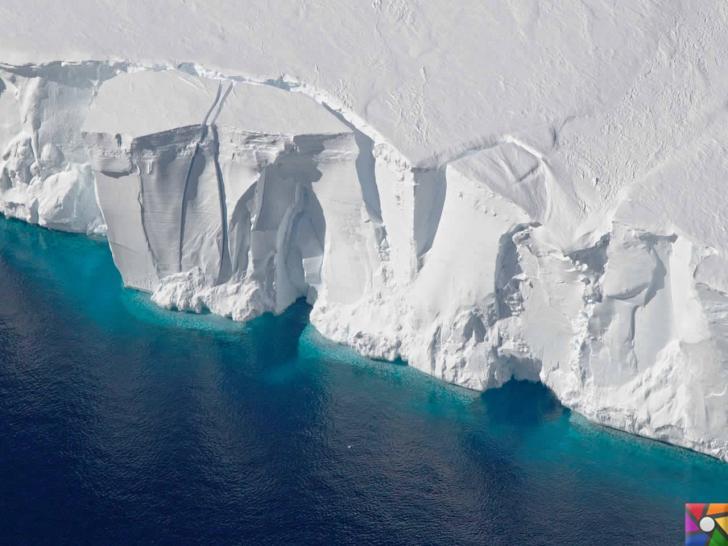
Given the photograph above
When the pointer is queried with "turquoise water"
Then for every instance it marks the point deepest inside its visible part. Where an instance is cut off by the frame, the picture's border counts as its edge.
(124, 423)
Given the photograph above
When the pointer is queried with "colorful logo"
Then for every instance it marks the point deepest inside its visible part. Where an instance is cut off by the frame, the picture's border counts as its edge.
(706, 524)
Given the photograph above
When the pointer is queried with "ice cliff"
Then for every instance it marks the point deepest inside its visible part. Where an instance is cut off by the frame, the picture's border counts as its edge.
(579, 241)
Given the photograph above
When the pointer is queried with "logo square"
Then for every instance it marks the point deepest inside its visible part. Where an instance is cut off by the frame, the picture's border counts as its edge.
(706, 524)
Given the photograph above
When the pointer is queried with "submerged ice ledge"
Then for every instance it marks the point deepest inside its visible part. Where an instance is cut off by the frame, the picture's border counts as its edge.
(488, 263)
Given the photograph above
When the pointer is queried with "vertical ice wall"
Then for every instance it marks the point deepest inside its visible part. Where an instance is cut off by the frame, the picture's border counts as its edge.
(235, 198)
(44, 172)
(240, 198)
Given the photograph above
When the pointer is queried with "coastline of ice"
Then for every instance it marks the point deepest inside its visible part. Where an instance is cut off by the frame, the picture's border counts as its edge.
(588, 253)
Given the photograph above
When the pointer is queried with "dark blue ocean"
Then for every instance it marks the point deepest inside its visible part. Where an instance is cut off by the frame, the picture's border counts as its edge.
(121, 423)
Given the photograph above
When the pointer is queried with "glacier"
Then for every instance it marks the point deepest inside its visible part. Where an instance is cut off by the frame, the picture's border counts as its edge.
(544, 201)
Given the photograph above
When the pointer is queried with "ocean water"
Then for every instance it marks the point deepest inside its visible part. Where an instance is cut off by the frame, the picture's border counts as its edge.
(121, 423)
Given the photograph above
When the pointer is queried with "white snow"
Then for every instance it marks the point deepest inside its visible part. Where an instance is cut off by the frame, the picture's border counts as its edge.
(485, 190)
(44, 173)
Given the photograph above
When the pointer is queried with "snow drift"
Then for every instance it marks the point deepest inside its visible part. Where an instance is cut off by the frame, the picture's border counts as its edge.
(582, 244)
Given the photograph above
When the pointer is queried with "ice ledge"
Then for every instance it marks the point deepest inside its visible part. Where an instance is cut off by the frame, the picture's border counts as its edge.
(490, 262)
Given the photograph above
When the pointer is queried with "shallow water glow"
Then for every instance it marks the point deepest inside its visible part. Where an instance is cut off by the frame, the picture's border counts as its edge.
(124, 423)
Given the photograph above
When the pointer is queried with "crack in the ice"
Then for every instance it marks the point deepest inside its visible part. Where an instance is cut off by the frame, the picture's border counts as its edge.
(183, 209)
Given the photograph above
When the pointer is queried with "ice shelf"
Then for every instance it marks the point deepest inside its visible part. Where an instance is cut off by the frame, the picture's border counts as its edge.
(486, 192)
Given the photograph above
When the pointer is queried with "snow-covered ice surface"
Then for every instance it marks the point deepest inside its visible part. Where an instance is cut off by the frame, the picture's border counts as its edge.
(483, 189)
